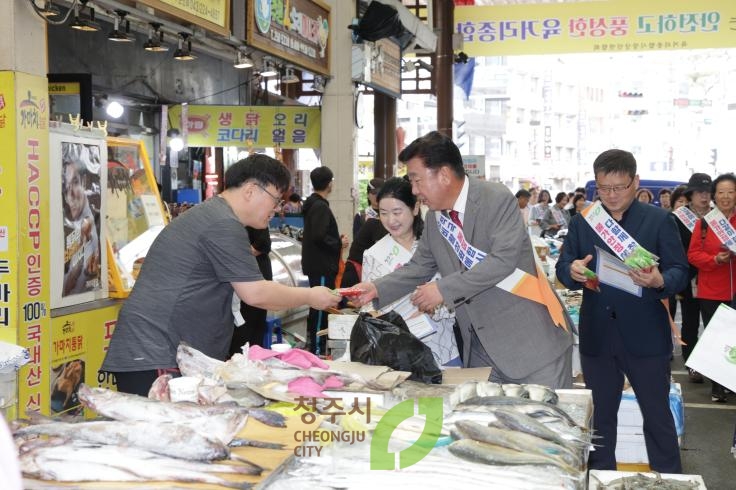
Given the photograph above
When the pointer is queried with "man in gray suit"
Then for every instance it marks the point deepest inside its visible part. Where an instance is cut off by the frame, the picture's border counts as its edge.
(514, 335)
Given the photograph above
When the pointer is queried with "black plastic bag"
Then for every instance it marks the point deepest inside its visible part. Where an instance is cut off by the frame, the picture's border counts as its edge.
(387, 341)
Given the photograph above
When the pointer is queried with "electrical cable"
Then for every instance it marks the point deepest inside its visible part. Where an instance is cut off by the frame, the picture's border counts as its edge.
(40, 11)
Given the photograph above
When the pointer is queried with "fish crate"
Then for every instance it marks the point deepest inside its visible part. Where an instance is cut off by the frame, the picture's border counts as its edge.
(629, 414)
(605, 477)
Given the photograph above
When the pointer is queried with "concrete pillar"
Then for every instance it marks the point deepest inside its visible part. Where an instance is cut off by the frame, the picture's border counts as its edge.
(339, 149)
(23, 39)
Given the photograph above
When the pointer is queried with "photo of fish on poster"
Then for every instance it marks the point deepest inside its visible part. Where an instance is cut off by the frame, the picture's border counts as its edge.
(80, 188)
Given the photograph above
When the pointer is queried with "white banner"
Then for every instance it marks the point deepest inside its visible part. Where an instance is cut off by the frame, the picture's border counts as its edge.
(714, 355)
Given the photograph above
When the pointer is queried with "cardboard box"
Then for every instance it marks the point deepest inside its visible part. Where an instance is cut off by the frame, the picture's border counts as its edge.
(457, 376)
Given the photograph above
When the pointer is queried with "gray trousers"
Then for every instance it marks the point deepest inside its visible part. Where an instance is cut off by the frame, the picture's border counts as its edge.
(556, 374)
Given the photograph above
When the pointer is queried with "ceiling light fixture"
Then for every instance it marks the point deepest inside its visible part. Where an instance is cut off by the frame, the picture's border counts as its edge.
(242, 60)
(176, 143)
(155, 41)
(81, 23)
(119, 34)
(184, 51)
(269, 68)
(289, 76)
(114, 109)
(49, 9)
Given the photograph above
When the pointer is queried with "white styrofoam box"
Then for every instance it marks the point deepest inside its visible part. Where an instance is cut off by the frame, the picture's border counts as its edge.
(340, 326)
(629, 413)
(631, 448)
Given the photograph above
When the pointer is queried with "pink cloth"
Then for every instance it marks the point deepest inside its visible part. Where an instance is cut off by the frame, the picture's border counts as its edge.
(296, 357)
(306, 386)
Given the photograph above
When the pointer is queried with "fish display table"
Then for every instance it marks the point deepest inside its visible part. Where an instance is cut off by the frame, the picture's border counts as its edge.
(270, 459)
(599, 479)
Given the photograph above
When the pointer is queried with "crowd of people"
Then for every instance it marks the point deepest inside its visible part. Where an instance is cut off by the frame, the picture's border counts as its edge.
(427, 248)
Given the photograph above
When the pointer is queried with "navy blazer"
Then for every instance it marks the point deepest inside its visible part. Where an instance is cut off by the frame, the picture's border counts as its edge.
(642, 322)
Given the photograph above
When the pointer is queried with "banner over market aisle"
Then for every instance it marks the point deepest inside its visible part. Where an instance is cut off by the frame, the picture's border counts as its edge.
(596, 27)
(265, 126)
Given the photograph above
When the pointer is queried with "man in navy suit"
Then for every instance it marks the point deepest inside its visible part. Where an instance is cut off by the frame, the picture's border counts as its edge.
(621, 333)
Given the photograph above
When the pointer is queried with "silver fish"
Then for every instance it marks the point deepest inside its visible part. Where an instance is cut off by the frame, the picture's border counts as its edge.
(221, 424)
(481, 452)
(488, 388)
(641, 481)
(240, 442)
(78, 462)
(515, 390)
(487, 403)
(519, 441)
(541, 393)
(518, 421)
(192, 362)
(168, 439)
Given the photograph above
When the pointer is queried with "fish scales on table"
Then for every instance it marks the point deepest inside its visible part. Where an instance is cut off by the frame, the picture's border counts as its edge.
(166, 438)
(519, 441)
(77, 462)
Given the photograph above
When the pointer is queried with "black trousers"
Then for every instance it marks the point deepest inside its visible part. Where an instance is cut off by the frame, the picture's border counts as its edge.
(317, 319)
(139, 382)
(690, 320)
(650, 378)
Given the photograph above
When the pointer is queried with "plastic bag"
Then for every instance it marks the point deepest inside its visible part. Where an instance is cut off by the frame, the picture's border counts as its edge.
(387, 341)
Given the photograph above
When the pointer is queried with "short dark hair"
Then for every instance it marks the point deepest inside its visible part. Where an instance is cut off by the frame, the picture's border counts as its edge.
(722, 178)
(560, 196)
(321, 178)
(400, 188)
(578, 197)
(615, 161)
(678, 193)
(523, 193)
(664, 191)
(580, 190)
(543, 192)
(261, 168)
(436, 150)
(294, 197)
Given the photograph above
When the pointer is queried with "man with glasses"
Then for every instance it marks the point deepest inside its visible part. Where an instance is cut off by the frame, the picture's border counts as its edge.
(623, 332)
(185, 287)
(322, 245)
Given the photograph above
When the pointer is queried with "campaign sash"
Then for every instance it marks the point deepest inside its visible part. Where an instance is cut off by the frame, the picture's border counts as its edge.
(722, 228)
(558, 216)
(686, 217)
(612, 234)
(519, 283)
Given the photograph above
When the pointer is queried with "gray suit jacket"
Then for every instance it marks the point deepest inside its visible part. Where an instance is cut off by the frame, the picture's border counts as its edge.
(517, 333)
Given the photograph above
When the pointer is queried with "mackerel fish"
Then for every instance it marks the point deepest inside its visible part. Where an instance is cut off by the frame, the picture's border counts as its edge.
(519, 441)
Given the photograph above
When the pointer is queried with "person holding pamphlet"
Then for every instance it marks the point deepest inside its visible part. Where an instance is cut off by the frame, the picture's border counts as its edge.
(398, 210)
(624, 327)
(711, 250)
(508, 316)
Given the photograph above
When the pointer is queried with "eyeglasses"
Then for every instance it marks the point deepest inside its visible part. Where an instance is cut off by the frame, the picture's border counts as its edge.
(615, 189)
(278, 202)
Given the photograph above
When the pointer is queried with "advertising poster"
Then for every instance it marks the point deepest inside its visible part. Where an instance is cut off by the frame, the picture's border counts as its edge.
(68, 349)
(79, 173)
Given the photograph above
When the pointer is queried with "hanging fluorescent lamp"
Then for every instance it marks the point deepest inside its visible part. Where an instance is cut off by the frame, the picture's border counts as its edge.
(289, 76)
(184, 51)
(242, 60)
(155, 41)
(119, 34)
(81, 23)
(269, 68)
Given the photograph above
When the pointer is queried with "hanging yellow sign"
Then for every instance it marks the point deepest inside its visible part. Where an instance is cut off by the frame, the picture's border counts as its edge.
(266, 126)
(583, 27)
